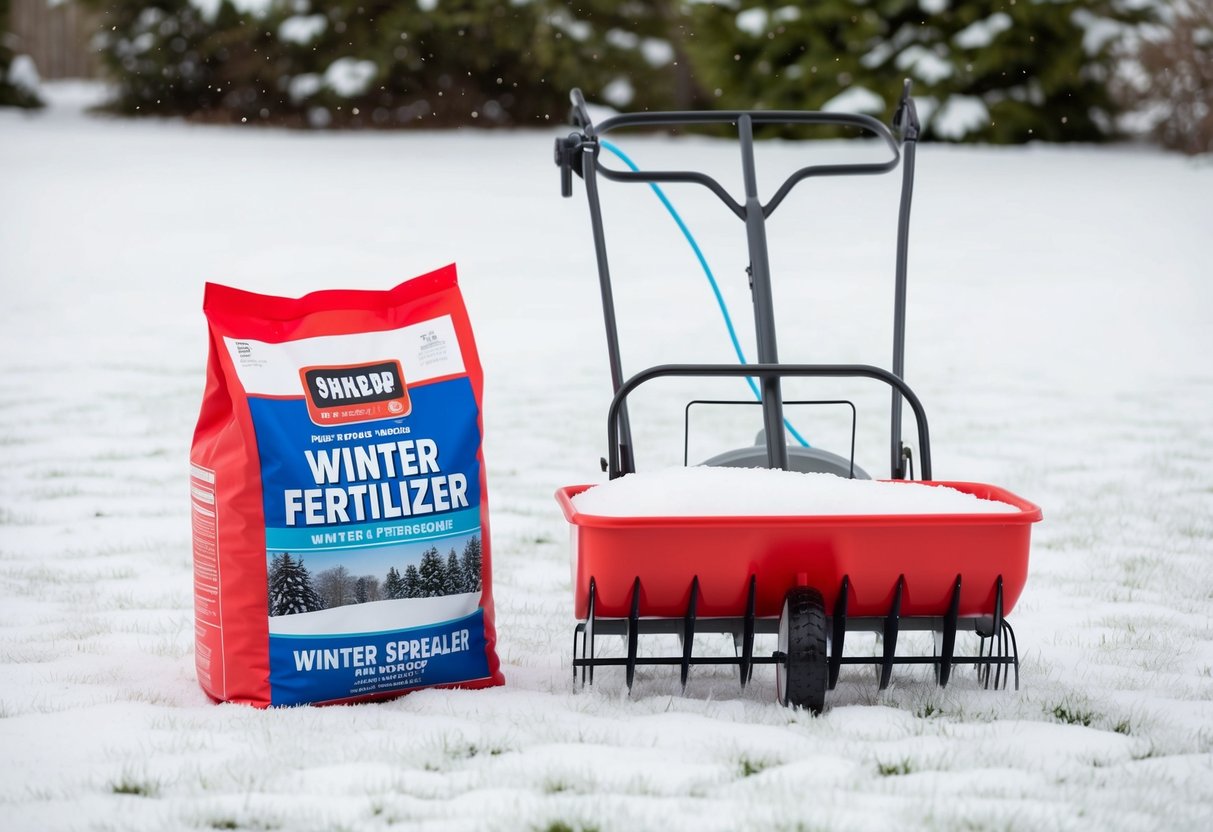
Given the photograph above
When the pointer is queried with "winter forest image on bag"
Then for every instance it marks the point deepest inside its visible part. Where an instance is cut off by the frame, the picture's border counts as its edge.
(294, 587)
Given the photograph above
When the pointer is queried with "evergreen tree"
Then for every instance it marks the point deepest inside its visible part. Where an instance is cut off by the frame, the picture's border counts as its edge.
(393, 586)
(984, 70)
(469, 565)
(366, 588)
(274, 578)
(412, 582)
(13, 92)
(291, 592)
(379, 63)
(454, 575)
(432, 574)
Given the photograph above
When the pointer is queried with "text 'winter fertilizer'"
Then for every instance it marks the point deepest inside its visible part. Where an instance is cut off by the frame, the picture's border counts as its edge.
(340, 512)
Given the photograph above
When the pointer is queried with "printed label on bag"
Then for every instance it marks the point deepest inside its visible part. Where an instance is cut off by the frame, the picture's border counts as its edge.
(371, 490)
(355, 393)
(307, 668)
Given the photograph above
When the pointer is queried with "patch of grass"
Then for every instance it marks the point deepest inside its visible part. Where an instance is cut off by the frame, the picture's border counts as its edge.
(928, 710)
(11, 518)
(450, 749)
(555, 786)
(1073, 716)
(896, 769)
(561, 826)
(977, 825)
(231, 823)
(1150, 752)
(460, 750)
(130, 785)
(40, 793)
(150, 697)
(1123, 727)
(748, 767)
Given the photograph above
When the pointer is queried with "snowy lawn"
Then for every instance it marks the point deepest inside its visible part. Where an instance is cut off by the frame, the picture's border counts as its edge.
(1059, 336)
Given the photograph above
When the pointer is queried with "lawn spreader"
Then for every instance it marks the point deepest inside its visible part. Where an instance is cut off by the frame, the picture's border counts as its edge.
(809, 579)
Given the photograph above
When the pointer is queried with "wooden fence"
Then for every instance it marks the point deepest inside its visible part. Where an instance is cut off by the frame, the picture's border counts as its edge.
(56, 35)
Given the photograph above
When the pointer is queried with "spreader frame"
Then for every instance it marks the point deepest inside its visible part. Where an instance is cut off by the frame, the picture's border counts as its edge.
(988, 558)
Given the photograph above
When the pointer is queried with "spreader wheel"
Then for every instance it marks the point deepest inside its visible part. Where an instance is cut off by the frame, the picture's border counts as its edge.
(802, 675)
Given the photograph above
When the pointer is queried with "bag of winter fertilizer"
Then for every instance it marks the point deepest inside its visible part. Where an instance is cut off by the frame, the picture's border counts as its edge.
(340, 511)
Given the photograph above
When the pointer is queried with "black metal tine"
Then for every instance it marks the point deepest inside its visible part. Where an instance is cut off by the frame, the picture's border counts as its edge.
(747, 638)
(998, 605)
(1014, 650)
(633, 633)
(688, 631)
(947, 648)
(891, 623)
(579, 630)
(998, 634)
(983, 673)
(840, 631)
(996, 665)
(591, 633)
(1005, 665)
(984, 668)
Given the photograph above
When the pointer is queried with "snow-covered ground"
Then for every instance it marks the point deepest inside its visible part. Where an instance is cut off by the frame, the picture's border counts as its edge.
(1059, 336)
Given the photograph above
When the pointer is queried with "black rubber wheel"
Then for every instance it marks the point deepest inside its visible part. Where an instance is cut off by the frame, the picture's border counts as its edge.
(802, 677)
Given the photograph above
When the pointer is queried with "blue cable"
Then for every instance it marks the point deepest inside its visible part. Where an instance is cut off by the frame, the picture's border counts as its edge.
(724, 309)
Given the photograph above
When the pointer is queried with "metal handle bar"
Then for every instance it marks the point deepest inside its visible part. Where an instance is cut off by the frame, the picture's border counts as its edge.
(581, 113)
(764, 371)
(581, 119)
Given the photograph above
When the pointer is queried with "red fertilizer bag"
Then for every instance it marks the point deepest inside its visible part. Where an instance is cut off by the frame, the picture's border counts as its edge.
(339, 504)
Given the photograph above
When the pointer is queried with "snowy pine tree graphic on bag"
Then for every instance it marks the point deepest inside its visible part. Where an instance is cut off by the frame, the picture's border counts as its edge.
(290, 587)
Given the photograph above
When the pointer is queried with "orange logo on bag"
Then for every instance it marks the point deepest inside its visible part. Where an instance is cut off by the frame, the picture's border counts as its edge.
(355, 393)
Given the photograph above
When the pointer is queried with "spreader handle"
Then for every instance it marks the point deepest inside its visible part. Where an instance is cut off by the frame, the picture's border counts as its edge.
(756, 117)
(580, 115)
